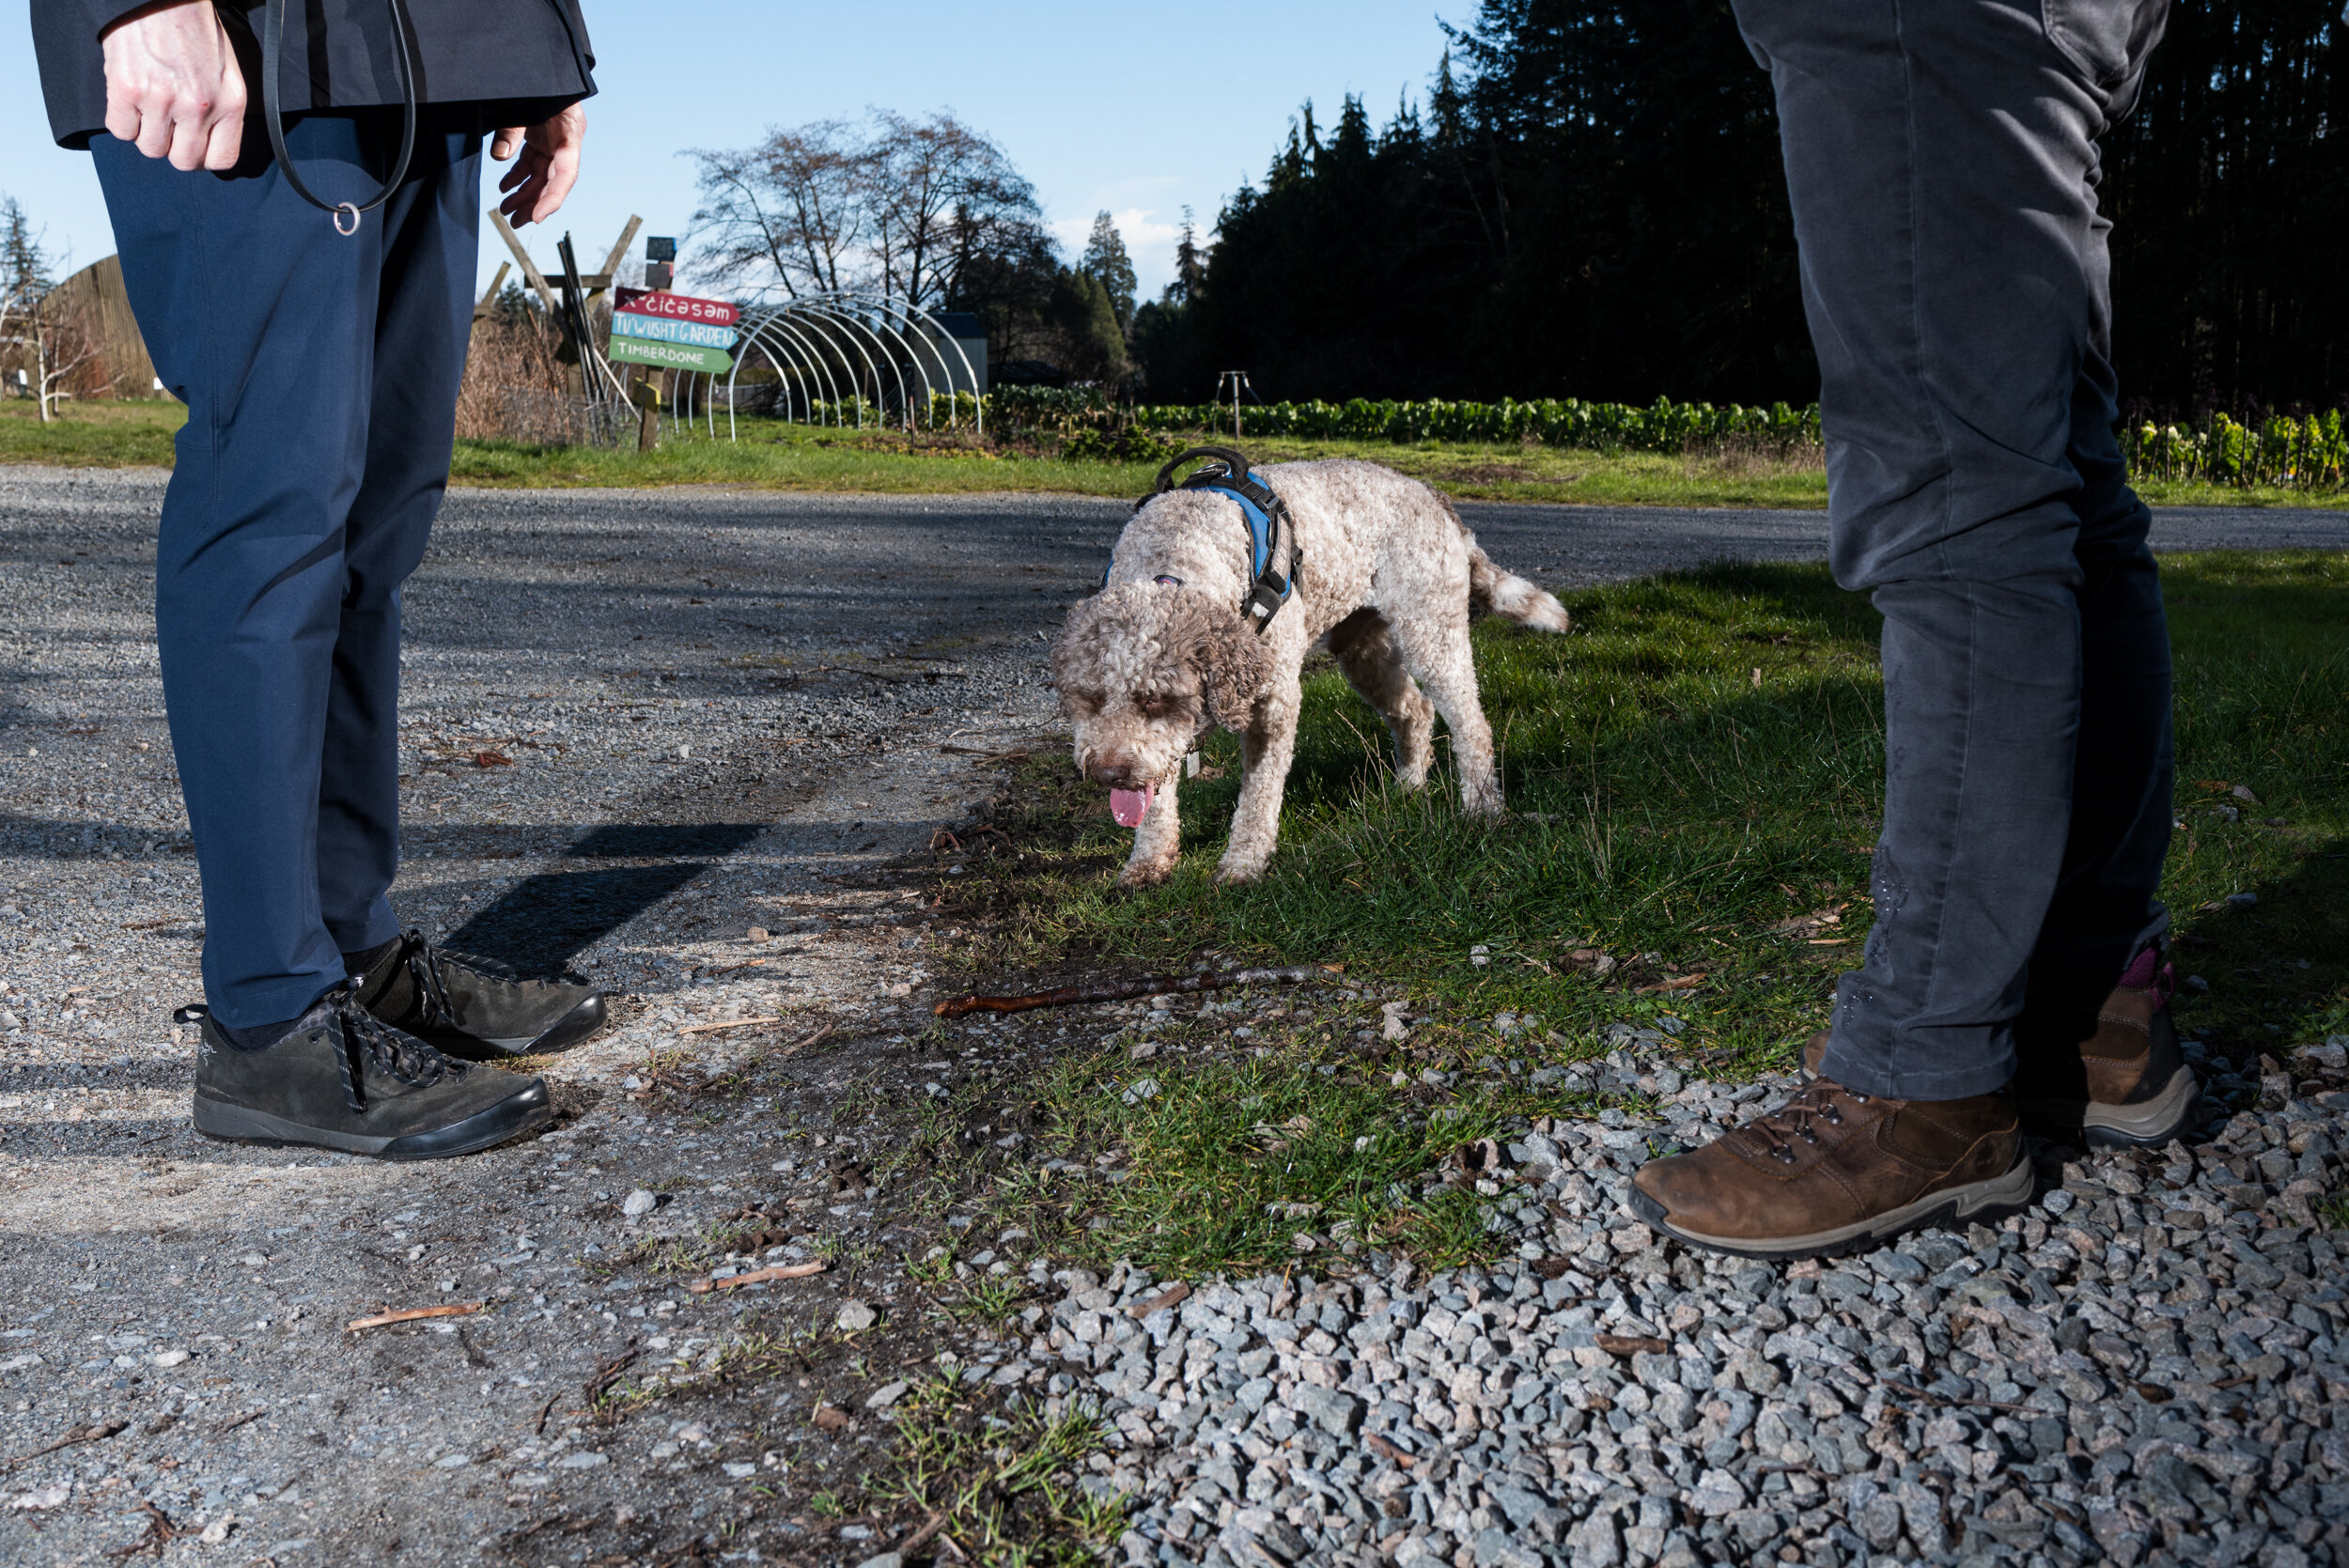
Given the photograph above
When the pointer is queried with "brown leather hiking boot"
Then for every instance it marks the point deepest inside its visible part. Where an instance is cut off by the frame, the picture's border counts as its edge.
(1833, 1170)
(2105, 1068)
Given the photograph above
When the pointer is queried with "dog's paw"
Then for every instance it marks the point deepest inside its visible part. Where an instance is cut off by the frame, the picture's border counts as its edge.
(1482, 806)
(1145, 874)
(1233, 874)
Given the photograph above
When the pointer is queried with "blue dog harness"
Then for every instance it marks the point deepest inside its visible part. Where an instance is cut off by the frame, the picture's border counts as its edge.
(1273, 555)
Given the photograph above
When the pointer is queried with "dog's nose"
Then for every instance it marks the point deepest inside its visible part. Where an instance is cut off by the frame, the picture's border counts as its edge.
(1112, 773)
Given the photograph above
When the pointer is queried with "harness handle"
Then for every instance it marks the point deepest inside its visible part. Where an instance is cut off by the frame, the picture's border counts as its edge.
(1234, 468)
(273, 44)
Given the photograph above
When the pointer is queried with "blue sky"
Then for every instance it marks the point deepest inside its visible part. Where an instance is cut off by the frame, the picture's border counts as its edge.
(1135, 110)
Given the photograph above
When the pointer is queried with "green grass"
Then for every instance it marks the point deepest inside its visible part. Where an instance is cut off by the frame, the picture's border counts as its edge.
(1697, 766)
(90, 435)
(778, 455)
(1005, 1486)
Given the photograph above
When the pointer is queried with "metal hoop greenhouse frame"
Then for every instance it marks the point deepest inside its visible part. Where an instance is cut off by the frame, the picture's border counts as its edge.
(802, 338)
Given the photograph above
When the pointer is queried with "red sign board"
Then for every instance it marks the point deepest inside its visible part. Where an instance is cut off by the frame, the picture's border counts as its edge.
(677, 308)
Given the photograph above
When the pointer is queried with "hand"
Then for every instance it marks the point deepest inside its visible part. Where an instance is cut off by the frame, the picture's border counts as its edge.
(548, 166)
(173, 87)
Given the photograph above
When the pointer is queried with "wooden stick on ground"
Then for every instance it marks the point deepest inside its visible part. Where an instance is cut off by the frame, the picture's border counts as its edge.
(79, 1435)
(730, 1023)
(757, 1276)
(1125, 990)
(462, 1309)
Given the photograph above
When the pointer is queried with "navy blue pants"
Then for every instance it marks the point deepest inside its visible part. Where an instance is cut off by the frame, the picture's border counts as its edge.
(1942, 157)
(321, 375)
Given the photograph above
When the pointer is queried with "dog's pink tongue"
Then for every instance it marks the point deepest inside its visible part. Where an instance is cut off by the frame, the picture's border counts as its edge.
(1130, 806)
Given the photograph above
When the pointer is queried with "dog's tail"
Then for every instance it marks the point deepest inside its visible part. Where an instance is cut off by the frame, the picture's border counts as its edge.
(1504, 593)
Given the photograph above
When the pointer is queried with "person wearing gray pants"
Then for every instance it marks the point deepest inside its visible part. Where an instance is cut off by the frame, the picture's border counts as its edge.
(1941, 157)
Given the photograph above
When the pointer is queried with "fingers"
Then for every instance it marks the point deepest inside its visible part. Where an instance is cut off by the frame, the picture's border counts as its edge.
(122, 114)
(154, 135)
(561, 174)
(523, 203)
(191, 141)
(507, 143)
(225, 144)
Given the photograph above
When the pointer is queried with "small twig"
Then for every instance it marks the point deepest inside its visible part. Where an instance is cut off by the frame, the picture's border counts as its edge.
(798, 1046)
(159, 1532)
(1123, 990)
(411, 1314)
(921, 1537)
(736, 1023)
(607, 1374)
(544, 1411)
(1969, 1404)
(733, 969)
(235, 1422)
(758, 1276)
(79, 1435)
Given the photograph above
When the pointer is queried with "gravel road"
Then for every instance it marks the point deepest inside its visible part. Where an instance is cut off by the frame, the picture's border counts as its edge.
(640, 724)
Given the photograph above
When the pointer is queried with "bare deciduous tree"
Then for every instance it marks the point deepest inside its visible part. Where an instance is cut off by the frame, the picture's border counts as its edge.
(794, 210)
(940, 185)
(43, 345)
(899, 205)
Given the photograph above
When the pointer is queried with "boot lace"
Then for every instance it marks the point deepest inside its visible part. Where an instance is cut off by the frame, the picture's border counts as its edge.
(1795, 1119)
(395, 1052)
(425, 968)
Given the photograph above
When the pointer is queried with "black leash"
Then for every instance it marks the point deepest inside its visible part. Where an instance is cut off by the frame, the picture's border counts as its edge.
(273, 41)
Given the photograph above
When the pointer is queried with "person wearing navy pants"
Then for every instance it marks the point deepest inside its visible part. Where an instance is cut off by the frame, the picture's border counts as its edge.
(319, 359)
(321, 376)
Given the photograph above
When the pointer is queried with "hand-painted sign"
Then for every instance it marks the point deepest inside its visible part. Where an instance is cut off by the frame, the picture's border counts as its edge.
(670, 356)
(624, 324)
(677, 308)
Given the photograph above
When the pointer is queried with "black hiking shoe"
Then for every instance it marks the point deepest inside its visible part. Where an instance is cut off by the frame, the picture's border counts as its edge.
(341, 1078)
(474, 1007)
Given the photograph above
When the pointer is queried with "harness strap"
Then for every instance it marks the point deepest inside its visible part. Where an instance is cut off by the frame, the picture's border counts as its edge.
(272, 43)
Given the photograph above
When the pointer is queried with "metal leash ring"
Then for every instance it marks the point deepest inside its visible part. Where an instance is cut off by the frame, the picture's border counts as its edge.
(272, 42)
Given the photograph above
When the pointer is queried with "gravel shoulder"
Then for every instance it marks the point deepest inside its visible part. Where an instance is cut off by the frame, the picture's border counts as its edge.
(639, 726)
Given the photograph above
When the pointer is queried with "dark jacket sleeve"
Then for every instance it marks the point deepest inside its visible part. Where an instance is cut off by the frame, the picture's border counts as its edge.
(340, 55)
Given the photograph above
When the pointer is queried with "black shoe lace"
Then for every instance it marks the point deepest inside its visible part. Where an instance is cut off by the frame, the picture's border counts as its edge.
(395, 1052)
(426, 967)
(1793, 1119)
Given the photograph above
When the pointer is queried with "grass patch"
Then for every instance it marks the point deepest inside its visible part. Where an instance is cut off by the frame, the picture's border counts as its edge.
(90, 435)
(1004, 1487)
(778, 455)
(1698, 771)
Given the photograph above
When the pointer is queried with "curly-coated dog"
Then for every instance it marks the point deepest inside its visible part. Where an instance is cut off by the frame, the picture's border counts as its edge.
(1389, 573)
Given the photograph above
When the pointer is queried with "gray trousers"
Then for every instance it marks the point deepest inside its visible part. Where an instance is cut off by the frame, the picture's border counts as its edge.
(1941, 157)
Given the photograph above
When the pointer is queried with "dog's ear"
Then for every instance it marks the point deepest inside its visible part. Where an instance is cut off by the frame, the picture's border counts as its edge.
(1233, 667)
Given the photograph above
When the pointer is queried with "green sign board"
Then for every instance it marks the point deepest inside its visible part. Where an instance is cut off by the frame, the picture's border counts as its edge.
(670, 356)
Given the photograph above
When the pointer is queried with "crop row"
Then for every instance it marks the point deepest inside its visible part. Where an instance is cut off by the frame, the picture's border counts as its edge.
(2291, 452)
(2301, 452)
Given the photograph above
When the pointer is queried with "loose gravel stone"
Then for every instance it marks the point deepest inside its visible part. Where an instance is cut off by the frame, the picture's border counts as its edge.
(2145, 1365)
